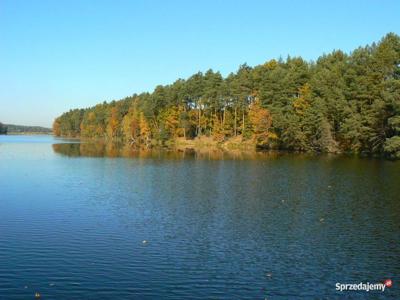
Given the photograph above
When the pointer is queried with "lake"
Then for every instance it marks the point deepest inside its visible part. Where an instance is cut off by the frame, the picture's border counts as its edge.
(87, 221)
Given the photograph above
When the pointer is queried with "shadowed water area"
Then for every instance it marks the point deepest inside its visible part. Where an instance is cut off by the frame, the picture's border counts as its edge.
(96, 221)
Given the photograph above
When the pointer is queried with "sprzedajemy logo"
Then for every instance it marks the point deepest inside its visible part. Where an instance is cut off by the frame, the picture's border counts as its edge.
(364, 286)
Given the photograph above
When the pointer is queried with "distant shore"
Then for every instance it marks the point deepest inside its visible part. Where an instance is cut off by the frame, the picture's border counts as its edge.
(29, 133)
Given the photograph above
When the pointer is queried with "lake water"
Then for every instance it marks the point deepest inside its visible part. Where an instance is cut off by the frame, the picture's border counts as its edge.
(73, 218)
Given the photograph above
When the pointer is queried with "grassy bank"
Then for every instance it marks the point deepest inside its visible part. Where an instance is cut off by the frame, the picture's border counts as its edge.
(235, 143)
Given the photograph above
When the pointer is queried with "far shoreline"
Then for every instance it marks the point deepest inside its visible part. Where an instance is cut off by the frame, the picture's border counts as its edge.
(28, 133)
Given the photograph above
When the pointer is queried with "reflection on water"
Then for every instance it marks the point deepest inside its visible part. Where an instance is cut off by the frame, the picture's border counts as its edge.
(249, 227)
(100, 149)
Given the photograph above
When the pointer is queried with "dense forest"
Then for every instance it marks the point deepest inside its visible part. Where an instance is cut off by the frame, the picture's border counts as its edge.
(21, 129)
(339, 103)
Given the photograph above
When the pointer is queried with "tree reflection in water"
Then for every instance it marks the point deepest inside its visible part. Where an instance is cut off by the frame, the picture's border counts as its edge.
(102, 149)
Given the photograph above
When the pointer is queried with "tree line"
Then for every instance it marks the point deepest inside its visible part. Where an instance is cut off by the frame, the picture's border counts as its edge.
(339, 103)
(3, 128)
(20, 129)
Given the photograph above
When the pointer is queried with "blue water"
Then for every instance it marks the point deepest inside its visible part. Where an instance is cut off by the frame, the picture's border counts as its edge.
(73, 220)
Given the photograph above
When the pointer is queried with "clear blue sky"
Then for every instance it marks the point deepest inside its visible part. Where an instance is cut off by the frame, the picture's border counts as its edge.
(56, 55)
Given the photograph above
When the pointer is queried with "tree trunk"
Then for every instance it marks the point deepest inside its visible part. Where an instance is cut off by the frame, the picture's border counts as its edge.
(199, 125)
(184, 126)
(235, 129)
(243, 123)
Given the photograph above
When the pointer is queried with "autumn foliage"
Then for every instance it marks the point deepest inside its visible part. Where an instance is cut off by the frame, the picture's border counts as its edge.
(341, 102)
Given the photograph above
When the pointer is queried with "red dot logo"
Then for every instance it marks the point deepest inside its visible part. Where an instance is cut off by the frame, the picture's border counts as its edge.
(388, 283)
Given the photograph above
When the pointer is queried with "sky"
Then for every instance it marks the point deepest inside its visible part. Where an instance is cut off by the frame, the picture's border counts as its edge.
(59, 55)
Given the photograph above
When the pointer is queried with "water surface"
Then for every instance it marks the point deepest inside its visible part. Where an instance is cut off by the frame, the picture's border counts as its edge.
(73, 218)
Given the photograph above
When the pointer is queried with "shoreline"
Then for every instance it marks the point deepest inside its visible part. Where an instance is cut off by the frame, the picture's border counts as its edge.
(28, 133)
(205, 145)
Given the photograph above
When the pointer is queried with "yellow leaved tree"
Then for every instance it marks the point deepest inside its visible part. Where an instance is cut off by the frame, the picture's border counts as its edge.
(261, 121)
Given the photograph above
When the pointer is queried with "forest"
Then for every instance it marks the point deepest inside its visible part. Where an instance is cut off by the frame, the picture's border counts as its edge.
(3, 128)
(21, 129)
(342, 102)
